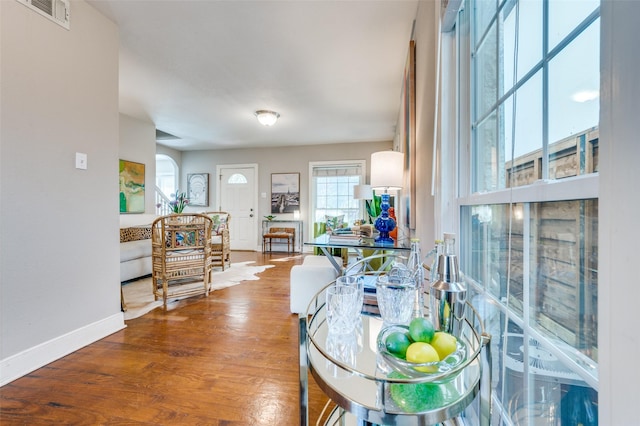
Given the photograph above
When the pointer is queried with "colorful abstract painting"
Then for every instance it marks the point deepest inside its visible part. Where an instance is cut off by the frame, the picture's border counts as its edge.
(131, 187)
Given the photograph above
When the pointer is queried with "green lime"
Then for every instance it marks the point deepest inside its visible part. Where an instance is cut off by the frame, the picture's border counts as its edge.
(397, 343)
(421, 330)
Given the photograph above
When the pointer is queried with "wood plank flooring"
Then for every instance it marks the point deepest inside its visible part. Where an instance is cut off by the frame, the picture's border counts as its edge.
(227, 359)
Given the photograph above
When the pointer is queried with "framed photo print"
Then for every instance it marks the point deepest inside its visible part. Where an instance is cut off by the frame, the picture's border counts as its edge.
(198, 189)
(285, 193)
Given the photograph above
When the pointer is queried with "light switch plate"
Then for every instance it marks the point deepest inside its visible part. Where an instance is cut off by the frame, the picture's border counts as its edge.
(81, 161)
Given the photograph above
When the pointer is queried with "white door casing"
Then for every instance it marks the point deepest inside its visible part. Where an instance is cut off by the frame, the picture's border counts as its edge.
(237, 195)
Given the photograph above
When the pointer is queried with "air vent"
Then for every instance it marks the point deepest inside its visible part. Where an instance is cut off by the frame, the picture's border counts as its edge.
(55, 10)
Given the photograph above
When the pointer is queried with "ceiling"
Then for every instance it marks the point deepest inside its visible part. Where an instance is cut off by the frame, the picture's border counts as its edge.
(198, 69)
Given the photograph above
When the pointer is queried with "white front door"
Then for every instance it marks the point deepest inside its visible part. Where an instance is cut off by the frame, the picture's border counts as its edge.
(238, 196)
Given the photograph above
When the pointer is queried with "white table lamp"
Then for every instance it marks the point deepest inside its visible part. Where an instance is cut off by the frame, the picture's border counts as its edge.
(387, 169)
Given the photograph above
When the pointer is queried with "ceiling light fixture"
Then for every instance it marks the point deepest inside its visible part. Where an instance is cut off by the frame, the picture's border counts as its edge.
(266, 117)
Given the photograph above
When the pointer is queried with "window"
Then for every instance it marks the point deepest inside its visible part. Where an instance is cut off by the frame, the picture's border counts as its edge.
(528, 199)
(166, 183)
(237, 179)
(332, 190)
(166, 174)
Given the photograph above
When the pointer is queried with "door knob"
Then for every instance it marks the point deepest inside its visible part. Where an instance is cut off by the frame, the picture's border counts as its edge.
(251, 215)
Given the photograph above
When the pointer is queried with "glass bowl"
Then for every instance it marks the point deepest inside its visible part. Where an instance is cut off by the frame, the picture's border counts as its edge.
(436, 369)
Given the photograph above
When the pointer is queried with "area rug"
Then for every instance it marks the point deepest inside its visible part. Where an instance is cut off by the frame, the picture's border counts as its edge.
(139, 298)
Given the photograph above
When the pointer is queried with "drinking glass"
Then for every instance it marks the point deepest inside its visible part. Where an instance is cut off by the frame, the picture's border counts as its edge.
(357, 282)
(396, 295)
(342, 308)
(343, 348)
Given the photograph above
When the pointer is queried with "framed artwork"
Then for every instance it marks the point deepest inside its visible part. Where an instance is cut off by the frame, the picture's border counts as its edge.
(198, 189)
(285, 192)
(131, 187)
(406, 138)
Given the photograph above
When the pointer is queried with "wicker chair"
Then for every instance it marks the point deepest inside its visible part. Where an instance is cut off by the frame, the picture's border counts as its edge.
(181, 255)
(220, 239)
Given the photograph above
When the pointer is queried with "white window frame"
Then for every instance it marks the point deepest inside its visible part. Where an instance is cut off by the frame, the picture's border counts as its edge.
(455, 179)
(362, 164)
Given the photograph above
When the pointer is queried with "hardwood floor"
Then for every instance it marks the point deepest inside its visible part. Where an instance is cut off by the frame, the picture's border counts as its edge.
(227, 359)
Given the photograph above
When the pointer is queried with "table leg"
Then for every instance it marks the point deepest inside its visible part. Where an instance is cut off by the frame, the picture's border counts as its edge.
(332, 260)
(304, 378)
(485, 380)
(387, 262)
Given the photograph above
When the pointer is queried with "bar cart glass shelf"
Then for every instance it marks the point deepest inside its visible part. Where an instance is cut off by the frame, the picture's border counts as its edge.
(352, 373)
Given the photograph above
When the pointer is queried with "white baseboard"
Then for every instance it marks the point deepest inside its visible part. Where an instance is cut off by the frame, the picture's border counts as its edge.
(31, 359)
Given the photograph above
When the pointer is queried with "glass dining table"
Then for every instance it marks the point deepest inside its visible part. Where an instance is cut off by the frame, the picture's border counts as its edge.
(327, 242)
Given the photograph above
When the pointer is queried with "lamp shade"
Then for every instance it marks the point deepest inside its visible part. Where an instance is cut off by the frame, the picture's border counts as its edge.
(387, 169)
(362, 192)
(267, 118)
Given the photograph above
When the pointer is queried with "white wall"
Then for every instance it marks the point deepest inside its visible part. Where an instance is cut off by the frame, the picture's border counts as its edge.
(59, 255)
(173, 153)
(275, 160)
(138, 144)
(619, 234)
(426, 37)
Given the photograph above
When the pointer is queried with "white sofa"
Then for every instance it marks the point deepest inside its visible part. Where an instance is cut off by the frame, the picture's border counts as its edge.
(308, 279)
(135, 246)
(135, 259)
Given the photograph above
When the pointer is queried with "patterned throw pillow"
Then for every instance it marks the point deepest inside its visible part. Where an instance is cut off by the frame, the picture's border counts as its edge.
(333, 222)
(219, 223)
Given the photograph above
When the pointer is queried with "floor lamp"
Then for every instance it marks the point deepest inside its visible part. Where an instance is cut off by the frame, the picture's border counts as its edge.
(387, 168)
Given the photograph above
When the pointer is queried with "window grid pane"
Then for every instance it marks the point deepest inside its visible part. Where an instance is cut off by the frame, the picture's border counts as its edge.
(574, 86)
(334, 197)
(484, 11)
(529, 41)
(564, 272)
(486, 157)
(565, 15)
(560, 291)
(526, 168)
(560, 101)
(486, 76)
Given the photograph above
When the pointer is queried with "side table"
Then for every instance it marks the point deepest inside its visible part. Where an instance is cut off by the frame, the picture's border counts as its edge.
(354, 376)
(297, 224)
